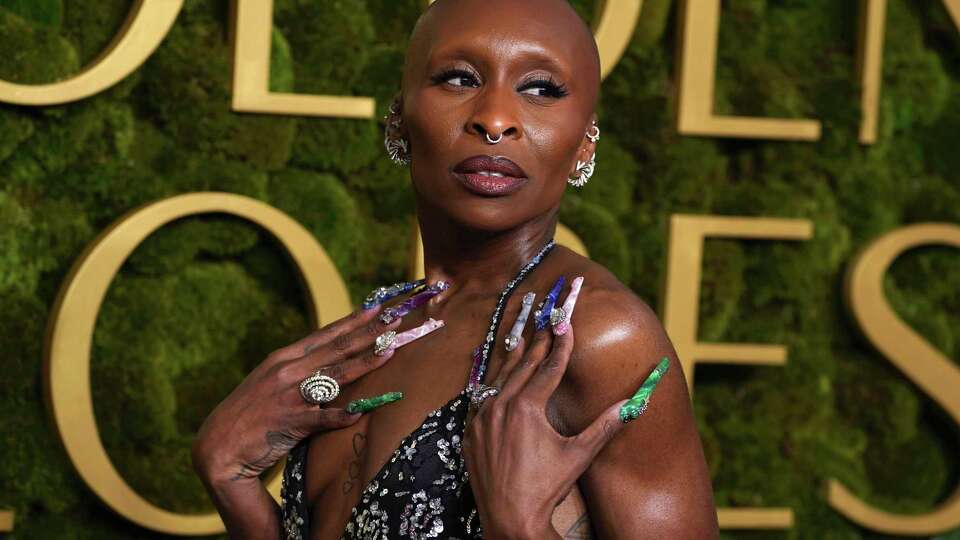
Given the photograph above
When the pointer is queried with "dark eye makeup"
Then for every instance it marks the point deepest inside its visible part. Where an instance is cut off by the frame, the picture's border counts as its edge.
(547, 85)
(544, 85)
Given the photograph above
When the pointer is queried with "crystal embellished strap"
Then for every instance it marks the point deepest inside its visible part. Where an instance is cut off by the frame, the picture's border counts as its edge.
(481, 355)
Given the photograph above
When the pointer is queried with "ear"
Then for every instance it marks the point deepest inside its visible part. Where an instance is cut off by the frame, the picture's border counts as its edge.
(394, 114)
(587, 147)
(394, 133)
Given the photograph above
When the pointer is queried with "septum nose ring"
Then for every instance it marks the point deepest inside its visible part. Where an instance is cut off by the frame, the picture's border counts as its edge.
(494, 141)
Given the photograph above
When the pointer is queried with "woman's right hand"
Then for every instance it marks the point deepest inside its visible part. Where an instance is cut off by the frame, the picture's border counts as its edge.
(265, 416)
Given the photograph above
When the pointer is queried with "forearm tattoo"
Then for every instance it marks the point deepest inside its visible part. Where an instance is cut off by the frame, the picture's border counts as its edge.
(278, 445)
(353, 470)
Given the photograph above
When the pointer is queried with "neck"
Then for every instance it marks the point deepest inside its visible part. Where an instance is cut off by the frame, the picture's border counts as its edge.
(479, 261)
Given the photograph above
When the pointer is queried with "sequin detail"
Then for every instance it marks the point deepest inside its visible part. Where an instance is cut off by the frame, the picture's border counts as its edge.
(423, 490)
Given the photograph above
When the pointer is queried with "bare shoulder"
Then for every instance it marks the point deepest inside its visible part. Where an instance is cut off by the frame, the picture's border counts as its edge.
(618, 339)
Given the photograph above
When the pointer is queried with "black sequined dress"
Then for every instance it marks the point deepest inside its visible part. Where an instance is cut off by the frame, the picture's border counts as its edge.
(423, 490)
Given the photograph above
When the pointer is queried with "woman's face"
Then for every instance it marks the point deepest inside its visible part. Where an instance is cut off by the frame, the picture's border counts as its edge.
(527, 71)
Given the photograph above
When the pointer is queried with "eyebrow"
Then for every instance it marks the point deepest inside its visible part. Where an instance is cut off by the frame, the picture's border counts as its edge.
(530, 55)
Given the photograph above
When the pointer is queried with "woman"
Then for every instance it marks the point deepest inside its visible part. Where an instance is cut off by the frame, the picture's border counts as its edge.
(495, 121)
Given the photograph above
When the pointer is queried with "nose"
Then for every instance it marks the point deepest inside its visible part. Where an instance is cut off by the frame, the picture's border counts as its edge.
(494, 114)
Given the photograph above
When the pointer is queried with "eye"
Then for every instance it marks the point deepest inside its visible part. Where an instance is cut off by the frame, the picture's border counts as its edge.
(544, 87)
(456, 77)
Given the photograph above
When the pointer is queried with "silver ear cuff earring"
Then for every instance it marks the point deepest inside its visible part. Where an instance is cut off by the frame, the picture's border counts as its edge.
(398, 148)
(585, 168)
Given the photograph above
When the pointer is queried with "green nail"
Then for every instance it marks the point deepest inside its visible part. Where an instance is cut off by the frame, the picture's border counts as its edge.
(368, 404)
(632, 409)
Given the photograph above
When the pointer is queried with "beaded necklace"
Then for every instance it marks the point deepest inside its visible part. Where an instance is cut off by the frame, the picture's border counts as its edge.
(481, 354)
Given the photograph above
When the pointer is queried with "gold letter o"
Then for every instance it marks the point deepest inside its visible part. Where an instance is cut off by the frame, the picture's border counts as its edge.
(70, 335)
(141, 34)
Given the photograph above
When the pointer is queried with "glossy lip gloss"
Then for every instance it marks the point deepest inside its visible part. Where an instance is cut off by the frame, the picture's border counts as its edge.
(490, 176)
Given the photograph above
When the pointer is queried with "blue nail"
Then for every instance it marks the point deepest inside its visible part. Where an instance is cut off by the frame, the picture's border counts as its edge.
(543, 313)
(382, 294)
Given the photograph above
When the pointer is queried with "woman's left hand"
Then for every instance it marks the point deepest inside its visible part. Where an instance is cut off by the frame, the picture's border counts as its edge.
(520, 467)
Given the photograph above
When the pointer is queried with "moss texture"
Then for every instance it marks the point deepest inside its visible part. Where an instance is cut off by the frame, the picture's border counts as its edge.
(205, 298)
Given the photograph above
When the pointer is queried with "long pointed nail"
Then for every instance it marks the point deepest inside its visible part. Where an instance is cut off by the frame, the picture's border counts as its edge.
(413, 302)
(560, 317)
(632, 409)
(368, 404)
(513, 338)
(393, 340)
(382, 294)
(542, 316)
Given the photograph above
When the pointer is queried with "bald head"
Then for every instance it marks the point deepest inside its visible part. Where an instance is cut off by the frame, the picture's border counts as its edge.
(552, 25)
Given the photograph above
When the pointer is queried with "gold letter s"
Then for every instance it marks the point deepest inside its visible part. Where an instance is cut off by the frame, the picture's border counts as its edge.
(922, 364)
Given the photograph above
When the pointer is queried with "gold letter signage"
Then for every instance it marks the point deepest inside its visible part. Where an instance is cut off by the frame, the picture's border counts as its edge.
(148, 23)
(871, 61)
(927, 367)
(75, 313)
(251, 72)
(681, 310)
(697, 74)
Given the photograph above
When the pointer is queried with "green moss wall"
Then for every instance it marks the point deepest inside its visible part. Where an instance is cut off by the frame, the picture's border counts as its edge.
(205, 298)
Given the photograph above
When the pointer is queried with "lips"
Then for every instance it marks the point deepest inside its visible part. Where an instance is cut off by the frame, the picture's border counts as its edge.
(490, 176)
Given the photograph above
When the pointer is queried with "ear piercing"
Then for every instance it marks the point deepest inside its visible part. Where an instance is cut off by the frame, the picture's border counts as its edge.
(583, 173)
(398, 148)
(585, 168)
(594, 137)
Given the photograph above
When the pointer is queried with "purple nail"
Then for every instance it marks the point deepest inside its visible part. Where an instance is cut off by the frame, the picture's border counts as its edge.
(392, 313)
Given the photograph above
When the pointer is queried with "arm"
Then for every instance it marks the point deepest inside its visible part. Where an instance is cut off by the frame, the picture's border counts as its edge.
(651, 479)
(546, 429)
(267, 414)
(247, 509)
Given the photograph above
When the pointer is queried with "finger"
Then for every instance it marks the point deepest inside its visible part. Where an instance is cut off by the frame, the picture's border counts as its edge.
(382, 294)
(593, 439)
(561, 321)
(513, 338)
(347, 344)
(542, 316)
(356, 367)
(322, 419)
(514, 343)
(322, 336)
(392, 340)
(548, 374)
(511, 362)
(618, 415)
(517, 378)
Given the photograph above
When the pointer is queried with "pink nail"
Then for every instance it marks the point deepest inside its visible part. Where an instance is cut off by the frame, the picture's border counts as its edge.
(563, 326)
(392, 340)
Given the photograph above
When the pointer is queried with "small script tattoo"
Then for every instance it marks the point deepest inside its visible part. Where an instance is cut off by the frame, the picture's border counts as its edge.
(278, 444)
(580, 530)
(353, 470)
